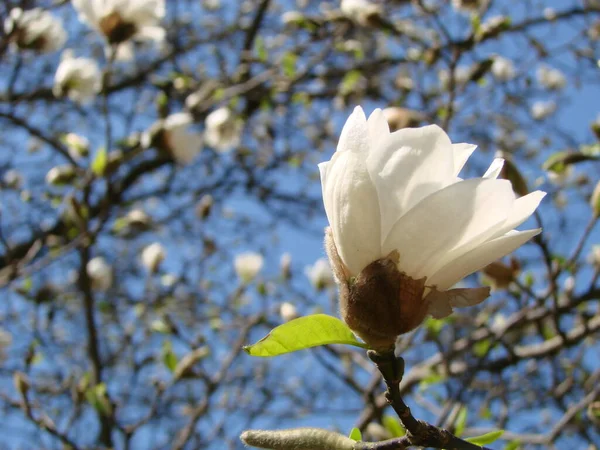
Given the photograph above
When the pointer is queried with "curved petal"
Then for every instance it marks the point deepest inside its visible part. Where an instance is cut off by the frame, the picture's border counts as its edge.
(522, 209)
(478, 258)
(378, 128)
(441, 302)
(407, 166)
(449, 222)
(462, 152)
(352, 209)
(494, 169)
(355, 134)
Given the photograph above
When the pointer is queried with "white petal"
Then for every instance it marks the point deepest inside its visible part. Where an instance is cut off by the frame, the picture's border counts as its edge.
(522, 209)
(441, 302)
(480, 257)
(352, 209)
(408, 165)
(323, 169)
(378, 127)
(449, 223)
(462, 151)
(494, 169)
(355, 134)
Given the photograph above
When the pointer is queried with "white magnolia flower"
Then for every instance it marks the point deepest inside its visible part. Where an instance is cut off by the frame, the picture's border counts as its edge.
(461, 76)
(543, 109)
(182, 144)
(152, 256)
(60, 174)
(398, 118)
(100, 273)
(319, 274)
(223, 130)
(594, 255)
(285, 264)
(468, 5)
(503, 69)
(402, 221)
(35, 29)
(552, 79)
(288, 311)
(77, 145)
(12, 179)
(138, 218)
(361, 12)
(122, 20)
(77, 78)
(247, 266)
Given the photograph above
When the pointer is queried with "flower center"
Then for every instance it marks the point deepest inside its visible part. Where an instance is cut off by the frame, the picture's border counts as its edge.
(116, 29)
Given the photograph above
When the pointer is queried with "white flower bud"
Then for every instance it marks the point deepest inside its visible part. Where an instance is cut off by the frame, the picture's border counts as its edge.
(100, 273)
(152, 256)
(320, 274)
(248, 265)
(288, 312)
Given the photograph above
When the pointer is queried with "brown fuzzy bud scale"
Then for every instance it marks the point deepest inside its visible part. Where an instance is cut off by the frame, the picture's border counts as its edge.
(381, 303)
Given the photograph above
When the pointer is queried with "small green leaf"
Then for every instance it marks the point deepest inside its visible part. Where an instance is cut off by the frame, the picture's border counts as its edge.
(261, 50)
(560, 160)
(355, 435)
(486, 438)
(301, 333)
(168, 356)
(461, 421)
(99, 163)
(350, 81)
(513, 445)
(288, 63)
(392, 425)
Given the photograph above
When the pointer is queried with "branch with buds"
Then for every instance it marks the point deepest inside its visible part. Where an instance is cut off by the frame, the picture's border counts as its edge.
(418, 432)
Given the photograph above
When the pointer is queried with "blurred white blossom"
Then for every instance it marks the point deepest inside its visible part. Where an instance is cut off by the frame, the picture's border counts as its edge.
(320, 274)
(35, 29)
(285, 264)
(247, 265)
(543, 109)
(288, 311)
(152, 256)
(12, 179)
(77, 78)
(78, 146)
(461, 76)
(549, 78)
(60, 174)
(100, 273)
(121, 20)
(223, 130)
(361, 12)
(468, 5)
(503, 69)
(179, 141)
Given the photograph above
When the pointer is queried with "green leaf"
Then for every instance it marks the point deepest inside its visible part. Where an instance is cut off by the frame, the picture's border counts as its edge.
(304, 332)
(349, 82)
(461, 421)
(355, 435)
(261, 50)
(486, 438)
(392, 425)
(288, 63)
(99, 163)
(513, 445)
(559, 161)
(169, 357)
